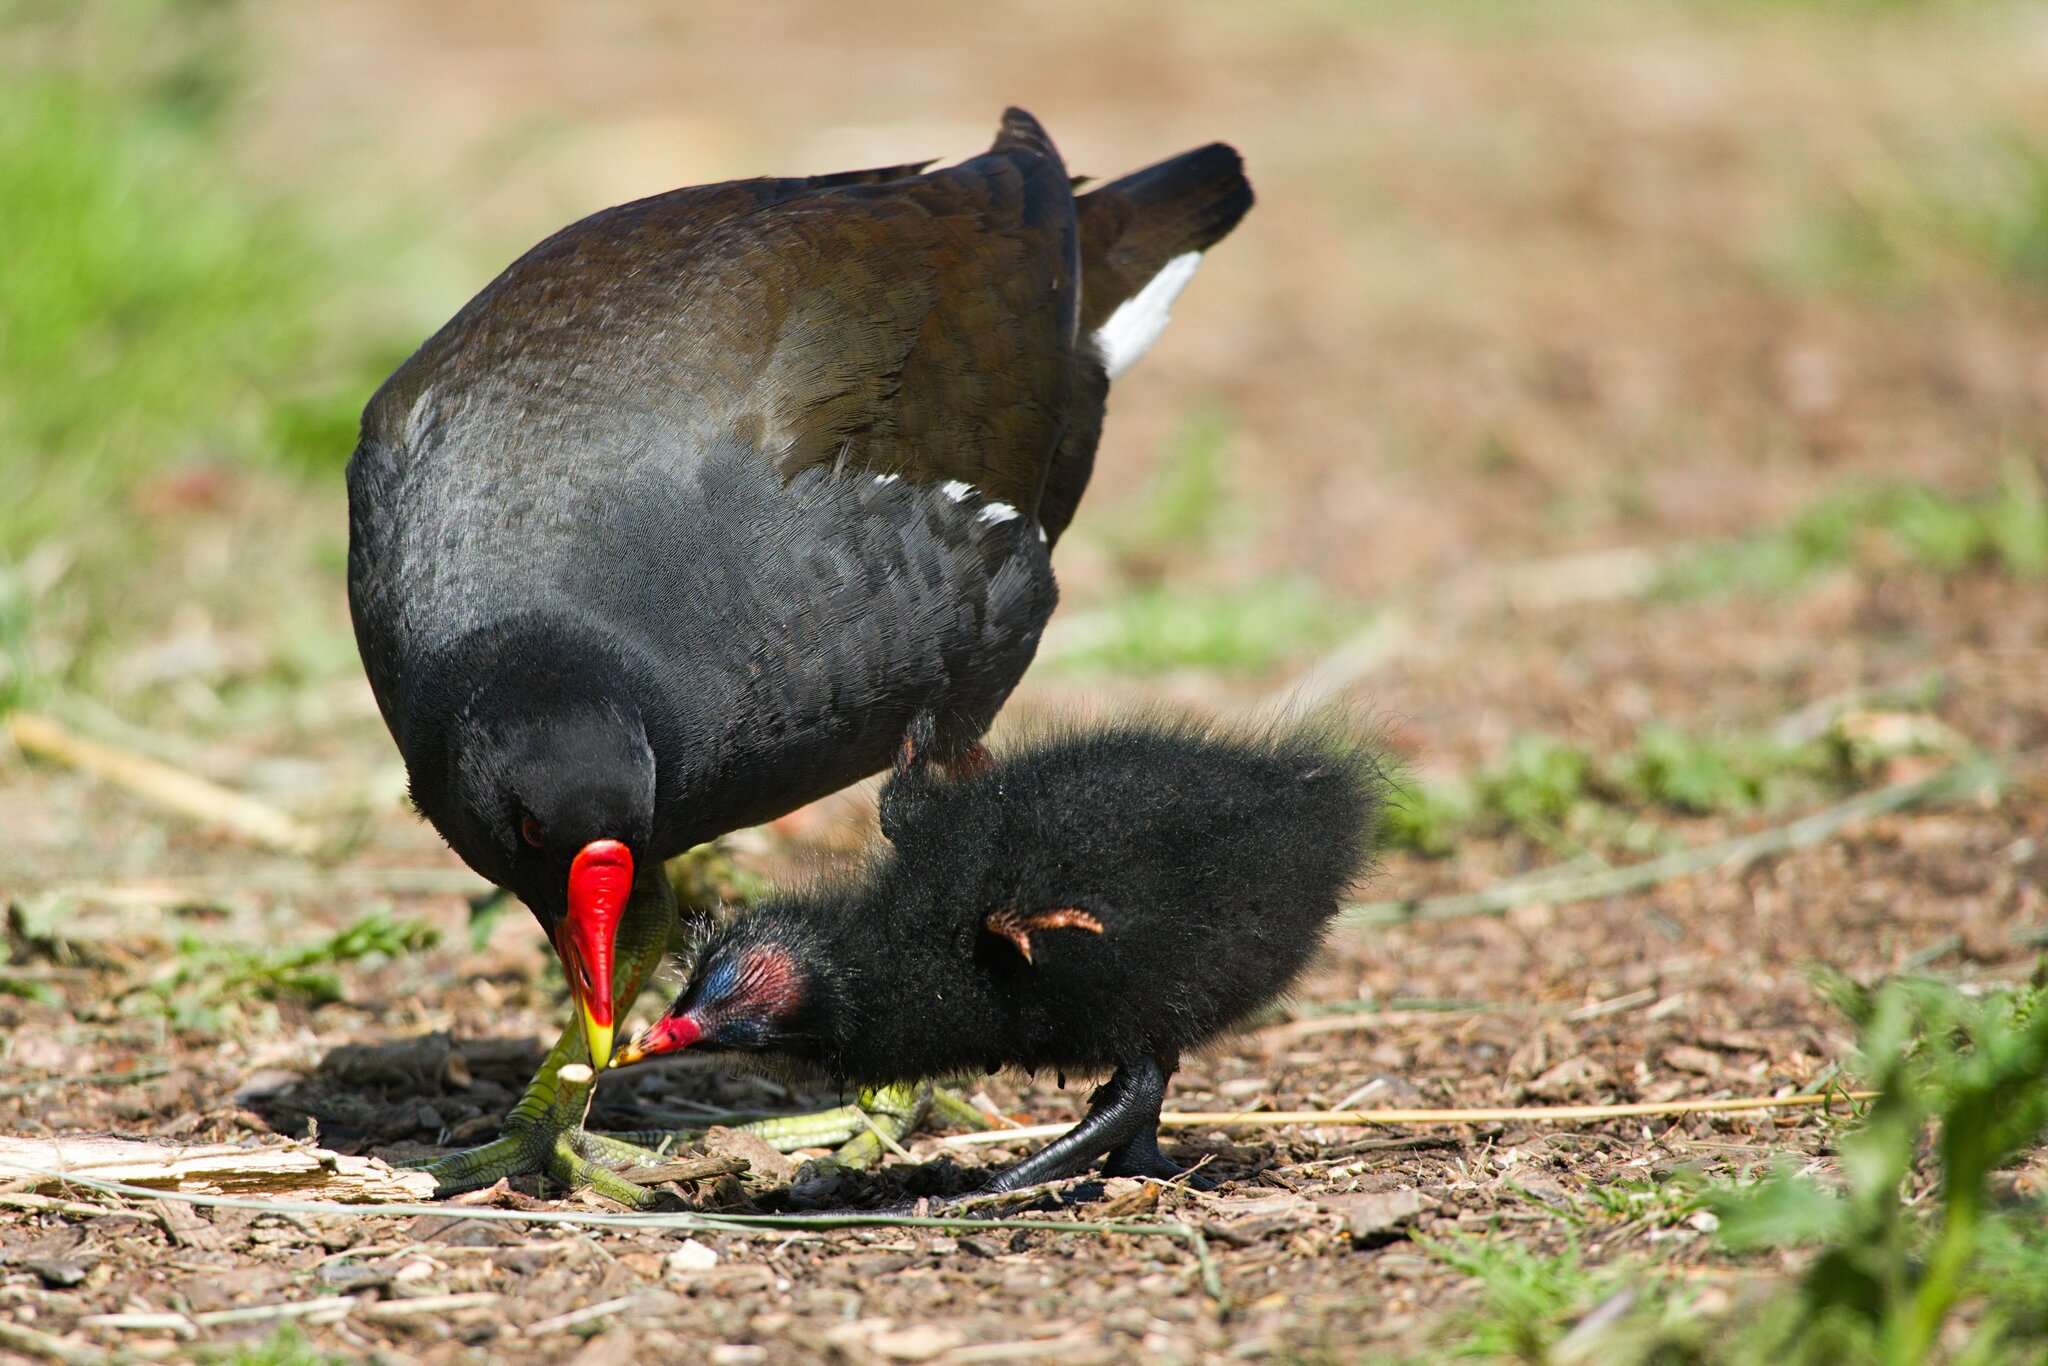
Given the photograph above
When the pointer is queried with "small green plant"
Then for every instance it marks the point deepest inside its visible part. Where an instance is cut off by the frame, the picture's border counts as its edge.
(206, 979)
(1971, 212)
(1655, 1204)
(1565, 797)
(1186, 501)
(1528, 1300)
(1899, 525)
(1154, 629)
(1426, 819)
(1900, 1250)
(288, 1346)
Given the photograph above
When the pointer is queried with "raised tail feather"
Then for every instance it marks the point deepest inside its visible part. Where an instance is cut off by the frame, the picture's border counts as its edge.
(1133, 227)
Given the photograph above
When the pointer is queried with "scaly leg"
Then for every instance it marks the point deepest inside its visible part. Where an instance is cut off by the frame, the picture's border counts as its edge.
(893, 1110)
(1122, 1120)
(1140, 1155)
(544, 1134)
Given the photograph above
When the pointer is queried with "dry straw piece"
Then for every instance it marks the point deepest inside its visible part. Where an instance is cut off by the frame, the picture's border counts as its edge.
(1529, 1114)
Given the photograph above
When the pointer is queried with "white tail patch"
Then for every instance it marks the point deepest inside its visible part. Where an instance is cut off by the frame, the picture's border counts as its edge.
(1140, 319)
(956, 490)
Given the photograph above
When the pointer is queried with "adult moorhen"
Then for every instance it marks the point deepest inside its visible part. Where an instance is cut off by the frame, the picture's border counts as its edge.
(677, 524)
(1104, 901)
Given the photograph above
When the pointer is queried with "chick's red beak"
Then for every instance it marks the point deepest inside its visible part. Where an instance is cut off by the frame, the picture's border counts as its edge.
(600, 882)
(669, 1034)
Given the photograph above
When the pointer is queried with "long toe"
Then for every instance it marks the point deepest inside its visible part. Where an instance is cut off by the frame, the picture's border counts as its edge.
(860, 1133)
(564, 1159)
(1141, 1157)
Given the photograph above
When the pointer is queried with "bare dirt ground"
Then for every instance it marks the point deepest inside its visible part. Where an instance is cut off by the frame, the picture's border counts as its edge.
(1515, 290)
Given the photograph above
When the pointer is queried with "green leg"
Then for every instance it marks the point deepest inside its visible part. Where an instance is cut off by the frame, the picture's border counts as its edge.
(856, 1131)
(544, 1134)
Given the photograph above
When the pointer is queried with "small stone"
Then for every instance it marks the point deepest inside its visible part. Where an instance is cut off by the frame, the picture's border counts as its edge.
(264, 1082)
(737, 1354)
(427, 1118)
(58, 1273)
(690, 1258)
(1706, 1221)
(1375, 1218)
(919, 1342)
(413, 1272)
(354, 1276)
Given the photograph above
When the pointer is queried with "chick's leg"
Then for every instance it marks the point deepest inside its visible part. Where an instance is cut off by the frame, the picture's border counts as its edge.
(1139, 1155)
(1123, 1112)
(544, 1133)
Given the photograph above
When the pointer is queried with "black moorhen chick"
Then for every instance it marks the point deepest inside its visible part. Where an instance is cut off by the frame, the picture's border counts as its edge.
(1103, 901)
(679, 523)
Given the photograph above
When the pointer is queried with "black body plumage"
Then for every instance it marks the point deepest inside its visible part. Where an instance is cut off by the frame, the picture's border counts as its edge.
(1169, 880)
(677, 524)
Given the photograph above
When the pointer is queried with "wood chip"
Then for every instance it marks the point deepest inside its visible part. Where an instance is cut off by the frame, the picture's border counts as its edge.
(300, 1171)
(758, 1154)
(189, 1228)
(1376, 1217)
(687, 1169)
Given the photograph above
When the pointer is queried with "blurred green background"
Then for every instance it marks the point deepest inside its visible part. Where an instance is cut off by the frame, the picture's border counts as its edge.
(1523, 279)
(1752, 292)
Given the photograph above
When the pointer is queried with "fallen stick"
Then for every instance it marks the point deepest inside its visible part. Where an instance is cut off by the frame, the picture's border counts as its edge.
(393, 1310)
(211, 1168)
(575, 1318)
(174, 789)
(680, 1222)
(148, 1071)
(1546, 888)
(19, 1337)
(1526, 1114)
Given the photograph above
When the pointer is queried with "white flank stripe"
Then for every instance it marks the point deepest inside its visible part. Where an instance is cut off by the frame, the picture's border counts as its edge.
(996, 512)
(1140, 319)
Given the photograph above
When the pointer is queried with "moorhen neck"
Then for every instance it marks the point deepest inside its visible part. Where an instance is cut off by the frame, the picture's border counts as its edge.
(1100, 903)
(679, 523)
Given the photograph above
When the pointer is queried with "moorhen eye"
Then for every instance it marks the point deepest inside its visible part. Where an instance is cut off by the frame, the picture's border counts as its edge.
(529, 830)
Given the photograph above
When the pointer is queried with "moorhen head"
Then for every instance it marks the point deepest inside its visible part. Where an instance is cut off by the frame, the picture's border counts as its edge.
(1103, 901)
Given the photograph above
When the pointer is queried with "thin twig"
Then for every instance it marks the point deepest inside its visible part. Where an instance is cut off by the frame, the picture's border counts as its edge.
(1512, 1114)
(188, 794)
(881, 1137)
(389, 1310)
(19, 1337)
(719, 1223)
(1212, 1282)
(148, 1071)
(687, 1169)
(577, 1317)
(1546, 888)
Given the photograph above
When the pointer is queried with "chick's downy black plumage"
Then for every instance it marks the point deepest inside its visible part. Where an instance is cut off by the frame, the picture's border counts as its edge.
(1102, 900)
